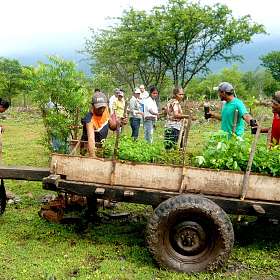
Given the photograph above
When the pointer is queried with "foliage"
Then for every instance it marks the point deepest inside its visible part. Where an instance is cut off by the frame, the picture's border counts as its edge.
(233, 154)
(259, 83)
(251, 85)
(271, 61)
(204, 87)
(178, 40)
(141, 151)
(121, 52)
(108, 248)
(61, 93)
(104, 82)
(11, 78)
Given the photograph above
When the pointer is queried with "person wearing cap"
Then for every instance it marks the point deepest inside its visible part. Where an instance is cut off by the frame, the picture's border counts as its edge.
(135, 113)
(112, 99)
(232, 106)
(119, 105)
(97, 122)
(150, 114)
(274, 131)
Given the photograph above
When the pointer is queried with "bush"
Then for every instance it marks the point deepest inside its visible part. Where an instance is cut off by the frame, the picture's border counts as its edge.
(141, 151)
(233, 154)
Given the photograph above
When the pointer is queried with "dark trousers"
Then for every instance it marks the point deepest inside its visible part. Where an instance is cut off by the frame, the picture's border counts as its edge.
(171, 136)
(135, 125)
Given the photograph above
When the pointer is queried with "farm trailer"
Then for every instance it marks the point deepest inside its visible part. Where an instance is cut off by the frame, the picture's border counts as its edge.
(189, 230)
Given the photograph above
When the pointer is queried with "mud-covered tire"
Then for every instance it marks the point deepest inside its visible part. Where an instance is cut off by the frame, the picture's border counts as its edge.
(190, 233)
(3, 197)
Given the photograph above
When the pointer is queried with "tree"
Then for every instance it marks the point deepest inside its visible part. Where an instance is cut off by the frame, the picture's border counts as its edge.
(260, 83)
(188, 36)
(204, 87)
(271, 61)
(11, 78)
(178, 39)
(61, 84)
(122, 53)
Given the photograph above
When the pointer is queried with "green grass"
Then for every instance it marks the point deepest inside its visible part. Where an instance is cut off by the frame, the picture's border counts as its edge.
(31, 248)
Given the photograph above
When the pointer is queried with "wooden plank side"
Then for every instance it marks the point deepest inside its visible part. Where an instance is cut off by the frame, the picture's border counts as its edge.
(263, 187)
(228, 183)
(214, 182)
(82, 169)
(127, 174)
(166, 177)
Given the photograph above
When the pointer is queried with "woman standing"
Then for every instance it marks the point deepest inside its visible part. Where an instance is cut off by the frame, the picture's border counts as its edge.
(150, 114)
(174, 117)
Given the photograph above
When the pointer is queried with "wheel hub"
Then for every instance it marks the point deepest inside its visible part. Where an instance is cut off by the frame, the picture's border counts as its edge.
(189, 238)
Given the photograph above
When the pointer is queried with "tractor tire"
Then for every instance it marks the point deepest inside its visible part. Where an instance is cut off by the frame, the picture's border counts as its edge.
(190, 233)
(3, 197)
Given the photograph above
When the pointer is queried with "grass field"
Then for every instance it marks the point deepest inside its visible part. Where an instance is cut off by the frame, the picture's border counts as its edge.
(31, 248)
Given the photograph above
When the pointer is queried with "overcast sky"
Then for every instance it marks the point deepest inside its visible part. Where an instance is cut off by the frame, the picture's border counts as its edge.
(38, 25)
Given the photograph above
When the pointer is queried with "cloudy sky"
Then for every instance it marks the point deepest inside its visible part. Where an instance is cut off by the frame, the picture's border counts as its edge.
(52, 25)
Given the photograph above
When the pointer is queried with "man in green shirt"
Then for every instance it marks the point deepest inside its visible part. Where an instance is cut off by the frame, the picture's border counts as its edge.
(233, 113)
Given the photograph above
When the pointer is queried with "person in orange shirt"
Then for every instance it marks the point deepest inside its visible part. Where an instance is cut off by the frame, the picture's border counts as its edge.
(97, 122)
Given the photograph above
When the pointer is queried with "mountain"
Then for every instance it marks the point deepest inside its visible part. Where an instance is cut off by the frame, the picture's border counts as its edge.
(251, 53)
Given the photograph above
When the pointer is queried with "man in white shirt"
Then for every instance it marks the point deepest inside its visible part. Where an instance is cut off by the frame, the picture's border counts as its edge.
(150, 114)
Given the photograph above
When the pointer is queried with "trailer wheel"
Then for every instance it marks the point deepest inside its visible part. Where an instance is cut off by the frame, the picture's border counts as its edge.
(190, 233)
(3, 197)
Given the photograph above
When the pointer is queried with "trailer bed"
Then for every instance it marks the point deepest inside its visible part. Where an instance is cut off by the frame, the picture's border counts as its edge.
(164, 178)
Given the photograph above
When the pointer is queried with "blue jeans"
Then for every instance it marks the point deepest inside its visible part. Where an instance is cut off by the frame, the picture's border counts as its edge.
(59, 145)
(149, 130)
(135, 125)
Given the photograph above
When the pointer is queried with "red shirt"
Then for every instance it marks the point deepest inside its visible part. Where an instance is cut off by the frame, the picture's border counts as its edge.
(275, 131)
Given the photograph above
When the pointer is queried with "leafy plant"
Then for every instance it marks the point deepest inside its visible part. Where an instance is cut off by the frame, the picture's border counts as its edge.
(61, 93)
(233, 154)
(141, 151)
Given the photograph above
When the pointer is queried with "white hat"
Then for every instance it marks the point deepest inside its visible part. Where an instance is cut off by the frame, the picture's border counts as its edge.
(137, 90)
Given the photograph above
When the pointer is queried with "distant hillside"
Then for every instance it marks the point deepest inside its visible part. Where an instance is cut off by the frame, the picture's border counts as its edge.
(34, 57)
(250, 52)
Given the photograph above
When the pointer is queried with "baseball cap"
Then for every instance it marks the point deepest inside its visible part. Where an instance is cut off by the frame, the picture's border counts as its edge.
(117, 90)
(225, 86)
(120, 93)
(99, 99)
(276, 97)
(137, 90)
